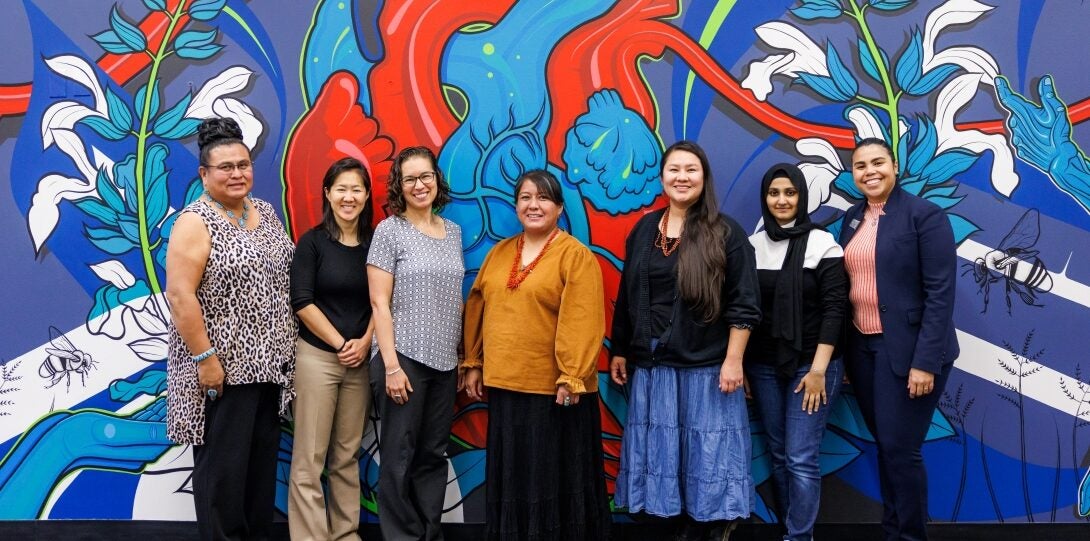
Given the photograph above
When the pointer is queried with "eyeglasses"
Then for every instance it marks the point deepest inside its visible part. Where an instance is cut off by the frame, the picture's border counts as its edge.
(427, 178)
(227, 167)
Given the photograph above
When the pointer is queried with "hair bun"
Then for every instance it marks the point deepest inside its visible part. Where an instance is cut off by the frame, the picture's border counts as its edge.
(213, 130)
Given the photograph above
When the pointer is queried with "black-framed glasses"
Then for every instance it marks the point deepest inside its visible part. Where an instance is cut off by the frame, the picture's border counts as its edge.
(427, 178)
(227, 167)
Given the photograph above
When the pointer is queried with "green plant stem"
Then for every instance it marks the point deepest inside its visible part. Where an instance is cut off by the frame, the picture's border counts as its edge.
(892, 98)
(141, 153)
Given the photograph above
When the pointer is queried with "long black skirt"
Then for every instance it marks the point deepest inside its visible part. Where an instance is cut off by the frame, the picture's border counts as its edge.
(545, 477)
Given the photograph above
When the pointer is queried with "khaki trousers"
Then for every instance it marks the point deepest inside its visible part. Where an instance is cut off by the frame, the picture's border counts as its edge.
(330, 412)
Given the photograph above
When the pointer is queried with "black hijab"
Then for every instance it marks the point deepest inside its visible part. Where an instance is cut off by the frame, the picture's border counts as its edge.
(786, 317)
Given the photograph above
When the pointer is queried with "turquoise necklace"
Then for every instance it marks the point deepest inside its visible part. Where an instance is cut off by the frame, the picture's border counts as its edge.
(240, 219)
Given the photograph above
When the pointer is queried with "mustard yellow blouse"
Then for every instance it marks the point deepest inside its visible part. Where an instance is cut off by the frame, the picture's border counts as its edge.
(545, 333)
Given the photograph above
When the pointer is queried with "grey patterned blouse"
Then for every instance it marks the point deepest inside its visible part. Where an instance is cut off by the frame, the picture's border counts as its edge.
(244, 297)
(427, 299)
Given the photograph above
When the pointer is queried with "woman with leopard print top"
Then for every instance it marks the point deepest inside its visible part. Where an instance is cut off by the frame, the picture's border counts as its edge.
(232, 340)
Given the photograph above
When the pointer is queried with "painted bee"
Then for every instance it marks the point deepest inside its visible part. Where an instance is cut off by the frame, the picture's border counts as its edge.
(1016, 263)
(64, 360)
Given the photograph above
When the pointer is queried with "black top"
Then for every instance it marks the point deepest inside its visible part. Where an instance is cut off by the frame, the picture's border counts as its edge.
(332, 277)
(662, 278)
(824, 295)
(688, 341)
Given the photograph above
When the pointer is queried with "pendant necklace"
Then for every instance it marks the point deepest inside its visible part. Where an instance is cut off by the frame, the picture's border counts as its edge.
(230, 214)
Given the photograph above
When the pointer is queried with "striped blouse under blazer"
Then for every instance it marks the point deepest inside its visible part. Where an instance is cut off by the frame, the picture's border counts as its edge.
(915, 262)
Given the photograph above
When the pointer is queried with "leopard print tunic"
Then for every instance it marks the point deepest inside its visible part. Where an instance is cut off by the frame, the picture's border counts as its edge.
(244, 297)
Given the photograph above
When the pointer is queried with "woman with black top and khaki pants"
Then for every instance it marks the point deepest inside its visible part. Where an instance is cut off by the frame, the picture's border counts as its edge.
(329, 294)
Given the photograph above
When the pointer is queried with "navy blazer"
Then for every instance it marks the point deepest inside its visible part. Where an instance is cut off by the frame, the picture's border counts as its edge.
(916, 268)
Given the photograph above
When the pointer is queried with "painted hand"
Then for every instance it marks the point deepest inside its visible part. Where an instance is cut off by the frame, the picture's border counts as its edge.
(1041, 135)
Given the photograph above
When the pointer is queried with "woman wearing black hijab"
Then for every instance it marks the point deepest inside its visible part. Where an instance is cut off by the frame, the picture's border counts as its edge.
(788, 362)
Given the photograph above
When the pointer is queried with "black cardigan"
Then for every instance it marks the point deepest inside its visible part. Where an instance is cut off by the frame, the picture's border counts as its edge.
(688, 341)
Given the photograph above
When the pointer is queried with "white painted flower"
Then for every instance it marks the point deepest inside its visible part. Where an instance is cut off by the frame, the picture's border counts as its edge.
(114, 272)
(112, 322)
(971, 59)
(143, 315)
(58, 123)
(821, 175)
(66, 114)
(151, 318)
(53, 188)
(952, 98)
(805, 57)
(210, 102)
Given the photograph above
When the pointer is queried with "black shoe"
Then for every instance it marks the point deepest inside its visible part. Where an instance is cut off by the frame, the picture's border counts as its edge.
(722, 531)
(691, 531)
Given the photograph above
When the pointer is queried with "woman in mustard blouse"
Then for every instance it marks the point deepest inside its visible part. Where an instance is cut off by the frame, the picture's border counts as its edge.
(533, 332)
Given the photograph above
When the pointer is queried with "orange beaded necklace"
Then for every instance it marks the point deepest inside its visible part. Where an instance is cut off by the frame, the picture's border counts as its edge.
(662, 241)
(517, 276)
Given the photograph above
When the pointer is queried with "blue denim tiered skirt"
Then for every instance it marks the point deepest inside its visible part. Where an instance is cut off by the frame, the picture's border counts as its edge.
(686, 446)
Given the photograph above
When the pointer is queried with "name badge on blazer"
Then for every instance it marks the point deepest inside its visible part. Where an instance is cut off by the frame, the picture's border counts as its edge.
(854, 224)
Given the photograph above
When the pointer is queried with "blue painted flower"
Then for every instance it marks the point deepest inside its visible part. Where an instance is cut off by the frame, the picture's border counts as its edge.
(612, 156)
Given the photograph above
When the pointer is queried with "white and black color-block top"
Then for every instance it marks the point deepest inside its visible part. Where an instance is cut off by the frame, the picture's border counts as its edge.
(824, 293)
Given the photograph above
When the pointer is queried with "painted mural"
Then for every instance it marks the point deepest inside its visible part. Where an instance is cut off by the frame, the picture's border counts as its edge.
(983, 102)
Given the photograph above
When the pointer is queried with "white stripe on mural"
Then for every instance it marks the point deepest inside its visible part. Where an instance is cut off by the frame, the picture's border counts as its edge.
(34, 397)
(979, 358)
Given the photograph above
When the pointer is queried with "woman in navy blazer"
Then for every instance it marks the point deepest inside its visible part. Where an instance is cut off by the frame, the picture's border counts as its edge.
(901, 344)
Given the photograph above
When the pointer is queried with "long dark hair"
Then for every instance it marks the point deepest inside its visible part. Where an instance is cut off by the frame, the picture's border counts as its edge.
(216, 132)
(395, 196)
(702, 256)
(329, 221)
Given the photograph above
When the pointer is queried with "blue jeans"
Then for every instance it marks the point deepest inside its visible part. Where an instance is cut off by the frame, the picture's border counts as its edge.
(794, 441)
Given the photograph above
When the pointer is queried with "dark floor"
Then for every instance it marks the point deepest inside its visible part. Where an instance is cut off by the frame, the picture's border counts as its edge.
(166, 531)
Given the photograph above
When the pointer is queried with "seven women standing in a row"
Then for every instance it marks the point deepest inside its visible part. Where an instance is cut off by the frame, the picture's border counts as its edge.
(688, 300)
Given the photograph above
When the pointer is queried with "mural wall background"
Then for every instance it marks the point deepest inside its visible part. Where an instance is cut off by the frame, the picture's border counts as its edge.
(985, 103)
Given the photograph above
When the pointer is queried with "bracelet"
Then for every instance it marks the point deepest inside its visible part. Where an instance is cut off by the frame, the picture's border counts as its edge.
(345, 344)
(396, 370)
(198, 358)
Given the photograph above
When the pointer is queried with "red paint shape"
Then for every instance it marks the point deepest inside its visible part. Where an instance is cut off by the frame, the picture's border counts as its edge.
(15, 99)
(470, 426)
(335, 127)
(407, 96)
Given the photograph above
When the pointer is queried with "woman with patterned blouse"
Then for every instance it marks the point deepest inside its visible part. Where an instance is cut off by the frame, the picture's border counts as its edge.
(533, 332)
(415, 273)
(232, 340)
